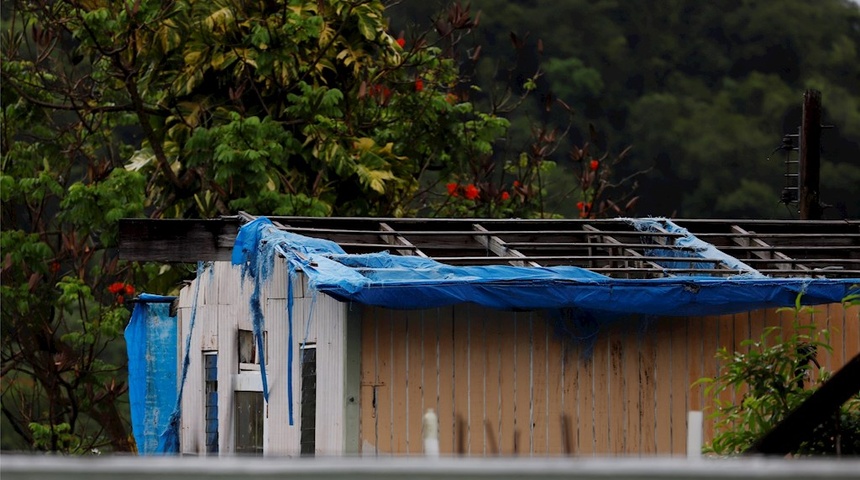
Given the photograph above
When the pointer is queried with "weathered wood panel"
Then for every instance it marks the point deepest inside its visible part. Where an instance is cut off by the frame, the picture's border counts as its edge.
(507, 383)
(618, 403)
(445, 377)
(492, 385)
(386, 384)
(414, 383)
(586, 364)
(504, 381)
(523, 384)
(647, 394)
(399, 392)
(368, 381)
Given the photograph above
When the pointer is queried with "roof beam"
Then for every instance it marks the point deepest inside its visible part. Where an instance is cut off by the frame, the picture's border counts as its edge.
(768, 252)
(394, 238)
(627, 251)
(498, 246)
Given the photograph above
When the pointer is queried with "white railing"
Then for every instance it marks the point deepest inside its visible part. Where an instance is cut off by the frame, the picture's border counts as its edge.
(18, 467)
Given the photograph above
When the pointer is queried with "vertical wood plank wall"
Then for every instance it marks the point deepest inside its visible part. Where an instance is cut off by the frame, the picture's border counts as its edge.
(502, 382)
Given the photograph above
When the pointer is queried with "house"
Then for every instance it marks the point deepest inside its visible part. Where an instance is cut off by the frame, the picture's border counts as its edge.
(532, 337)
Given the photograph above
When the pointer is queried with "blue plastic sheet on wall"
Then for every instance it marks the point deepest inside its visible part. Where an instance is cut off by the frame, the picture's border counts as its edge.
(151, 343)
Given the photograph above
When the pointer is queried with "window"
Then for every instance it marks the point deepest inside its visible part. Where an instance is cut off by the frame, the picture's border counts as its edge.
(210, 378)
(309, 399)
(249, 416)
(248, 359)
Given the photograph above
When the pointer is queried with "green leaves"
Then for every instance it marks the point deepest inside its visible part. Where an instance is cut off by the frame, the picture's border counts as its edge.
(96, 207)
(768, 379)
(192, 108)
(72, 291)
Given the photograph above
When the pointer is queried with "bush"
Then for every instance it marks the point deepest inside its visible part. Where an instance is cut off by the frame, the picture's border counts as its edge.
(777, 373)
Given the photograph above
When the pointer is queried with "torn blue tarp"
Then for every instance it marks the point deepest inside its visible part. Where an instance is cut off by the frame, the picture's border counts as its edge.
(151, 343)
(402, 282)
(168, 441)
(691, 248)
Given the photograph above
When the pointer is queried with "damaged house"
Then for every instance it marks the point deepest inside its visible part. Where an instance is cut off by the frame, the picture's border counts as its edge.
(334, 336)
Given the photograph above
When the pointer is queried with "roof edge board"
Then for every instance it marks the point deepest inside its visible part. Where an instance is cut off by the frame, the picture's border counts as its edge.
(498, 246)
(177, 240)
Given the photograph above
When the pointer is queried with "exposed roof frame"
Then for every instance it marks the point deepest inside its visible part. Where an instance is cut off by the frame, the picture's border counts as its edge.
(828, 249)
(395, 238)
(604, 238)
(498, 246)
(769, 253)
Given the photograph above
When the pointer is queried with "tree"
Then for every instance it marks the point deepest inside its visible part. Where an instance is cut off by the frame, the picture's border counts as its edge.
(196, 108)
(183, 109)
(703, 91)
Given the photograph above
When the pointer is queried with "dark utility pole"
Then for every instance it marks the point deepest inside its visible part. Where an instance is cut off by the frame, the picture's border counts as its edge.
(810, 156)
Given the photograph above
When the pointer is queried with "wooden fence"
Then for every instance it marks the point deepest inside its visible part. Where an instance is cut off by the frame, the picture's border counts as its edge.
(509, 383)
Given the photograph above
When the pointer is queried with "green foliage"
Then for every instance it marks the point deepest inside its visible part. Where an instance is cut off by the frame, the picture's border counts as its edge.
(758, 387)
(55, 437)
(193, 109)
(704, 91)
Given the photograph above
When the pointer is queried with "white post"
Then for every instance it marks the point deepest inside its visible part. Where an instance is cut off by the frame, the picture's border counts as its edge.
(694, 434)
(431, 434)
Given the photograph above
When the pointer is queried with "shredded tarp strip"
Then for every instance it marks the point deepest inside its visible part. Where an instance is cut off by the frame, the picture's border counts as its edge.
(402, 282)
(290, 278)
(169, 440)
(151, 344)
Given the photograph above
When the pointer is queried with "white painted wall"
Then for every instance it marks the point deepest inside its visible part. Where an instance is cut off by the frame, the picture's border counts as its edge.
(222, 310)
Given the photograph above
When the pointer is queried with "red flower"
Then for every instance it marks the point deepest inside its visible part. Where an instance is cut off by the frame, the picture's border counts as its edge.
(401, 42)
(452, 189)
(55, 267)
(506, 196)
(594, 165)
(419, 85)
(129, 290)
(580, 205)
(116, 288)
(120, 299)
(381, 92)
(516, 183)
(471, 192)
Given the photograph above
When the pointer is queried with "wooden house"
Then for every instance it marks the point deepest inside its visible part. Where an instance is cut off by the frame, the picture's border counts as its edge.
(526, 337)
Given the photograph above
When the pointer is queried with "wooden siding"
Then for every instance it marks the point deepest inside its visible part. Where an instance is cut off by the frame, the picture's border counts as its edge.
(506, 383)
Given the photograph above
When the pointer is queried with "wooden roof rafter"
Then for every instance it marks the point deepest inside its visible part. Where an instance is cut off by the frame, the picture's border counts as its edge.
(747, 239)
(496, 245)
(640, 259)
(392, 237)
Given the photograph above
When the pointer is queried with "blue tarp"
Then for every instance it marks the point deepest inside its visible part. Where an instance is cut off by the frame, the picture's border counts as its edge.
(402, 282)
(151, 343)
